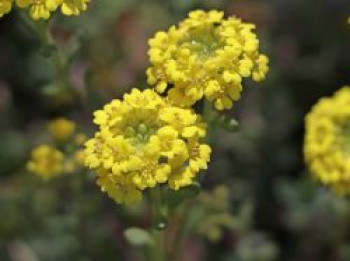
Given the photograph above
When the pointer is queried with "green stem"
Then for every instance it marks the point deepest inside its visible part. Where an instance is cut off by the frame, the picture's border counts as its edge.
(158, 251)
(49, 47)
(59, 60)
(159, 208)
(159, 212)
(82, 231)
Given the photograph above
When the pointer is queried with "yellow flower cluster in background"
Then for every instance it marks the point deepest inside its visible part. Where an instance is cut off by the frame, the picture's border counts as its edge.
(216, 214)
(327, 141)
(46, 162)
(205, 56)
(42, 9)
(5, 7)
(61, 129)
(142, 142)
(66, 157)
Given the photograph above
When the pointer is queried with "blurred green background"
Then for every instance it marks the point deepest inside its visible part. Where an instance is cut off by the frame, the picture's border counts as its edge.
(279, 212)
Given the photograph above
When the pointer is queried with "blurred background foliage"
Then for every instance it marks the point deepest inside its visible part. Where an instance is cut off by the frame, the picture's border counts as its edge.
(269, 209)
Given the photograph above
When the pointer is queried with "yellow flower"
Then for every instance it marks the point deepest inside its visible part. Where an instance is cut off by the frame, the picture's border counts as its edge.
(79, 157)
(42, 9)
(327, 141)
(69, 167)
(61, 129)
(46, 162)
(80, 139)
(142, 142)
(205, 56)
(73, 7)
(39, 9)
(5, 7)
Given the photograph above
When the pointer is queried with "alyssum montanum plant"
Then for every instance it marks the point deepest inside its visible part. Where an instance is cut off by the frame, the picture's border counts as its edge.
(148, 139)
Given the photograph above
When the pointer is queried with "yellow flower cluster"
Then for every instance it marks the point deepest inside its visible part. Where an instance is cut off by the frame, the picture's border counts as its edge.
(48, 161)
(205, 56)
(143, 141)
(42, 9)
(61, 129)
(327, 141)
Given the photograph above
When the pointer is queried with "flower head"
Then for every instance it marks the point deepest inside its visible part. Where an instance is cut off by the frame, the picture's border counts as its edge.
(42, 9)
(73, 7)
(61, 129)
(5, 7)
(39, 9)
(66, 156)
(327, 141)
(205, 56)
(46, 162)
(143, 141)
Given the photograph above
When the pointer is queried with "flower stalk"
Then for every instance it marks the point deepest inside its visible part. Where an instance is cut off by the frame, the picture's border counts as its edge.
(159, 216)
(49, 47)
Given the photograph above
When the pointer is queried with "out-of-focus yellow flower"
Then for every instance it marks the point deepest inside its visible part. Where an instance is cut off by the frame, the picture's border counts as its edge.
(39, 9)
(69, 167)
(61, 129)
(142, 142)
(327, 141)
(5, 7)
(80, 139)
(79, 157)
(215, 210)
(74, 162)
(73, 7)
(205, 56)
(46, 162)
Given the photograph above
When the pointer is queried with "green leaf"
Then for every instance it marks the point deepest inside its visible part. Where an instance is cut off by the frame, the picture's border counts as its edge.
(138, 237)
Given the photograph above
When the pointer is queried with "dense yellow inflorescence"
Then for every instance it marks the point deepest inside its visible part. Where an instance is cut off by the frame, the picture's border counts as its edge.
(61, 129)
(327, 141)
(205, 56)
(42, 9)
(142, 142)
(46, 162)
